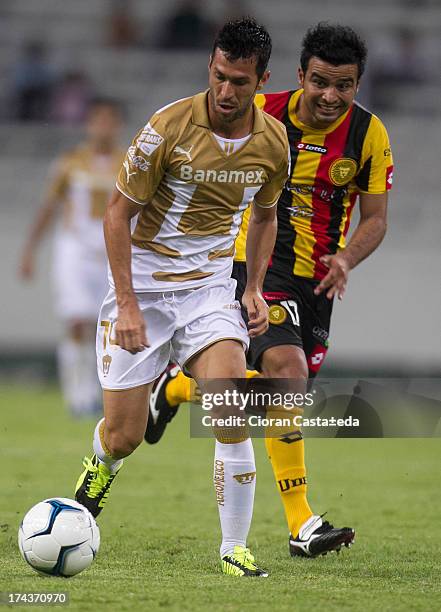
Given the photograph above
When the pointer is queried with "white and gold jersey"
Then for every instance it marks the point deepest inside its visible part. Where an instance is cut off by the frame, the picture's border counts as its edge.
(194, 193)
(83, 180)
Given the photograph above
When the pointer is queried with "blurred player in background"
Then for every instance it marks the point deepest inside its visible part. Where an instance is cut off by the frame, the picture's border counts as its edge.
(340, 152)
(189, 175)
(80, 186)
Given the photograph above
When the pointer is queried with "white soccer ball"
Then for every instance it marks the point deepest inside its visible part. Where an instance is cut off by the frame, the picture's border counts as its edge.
(58, 537)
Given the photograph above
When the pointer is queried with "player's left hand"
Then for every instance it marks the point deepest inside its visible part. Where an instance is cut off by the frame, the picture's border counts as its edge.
(257, 310)
(336, 279)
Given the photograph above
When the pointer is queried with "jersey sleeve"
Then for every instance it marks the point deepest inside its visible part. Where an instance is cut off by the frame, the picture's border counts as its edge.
(269, 193)
(58, 179)
(145, 162)
(376, 173)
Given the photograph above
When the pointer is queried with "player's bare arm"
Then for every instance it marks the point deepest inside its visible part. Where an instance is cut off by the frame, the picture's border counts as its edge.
(366, 238)
(130, 328)
(261, 237)
(42, 223)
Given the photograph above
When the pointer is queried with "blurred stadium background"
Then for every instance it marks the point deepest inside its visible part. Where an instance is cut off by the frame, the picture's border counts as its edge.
(147, 53)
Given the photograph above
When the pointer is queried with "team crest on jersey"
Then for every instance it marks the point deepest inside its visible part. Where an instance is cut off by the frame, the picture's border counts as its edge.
(107, 360)
(342, 170)
(277, 314)
(149, 140)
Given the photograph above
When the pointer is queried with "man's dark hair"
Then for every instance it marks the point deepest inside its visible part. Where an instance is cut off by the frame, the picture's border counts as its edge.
(244, 38)
(335, 44)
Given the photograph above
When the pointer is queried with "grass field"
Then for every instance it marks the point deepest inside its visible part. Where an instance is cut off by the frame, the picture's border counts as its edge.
(160, 535)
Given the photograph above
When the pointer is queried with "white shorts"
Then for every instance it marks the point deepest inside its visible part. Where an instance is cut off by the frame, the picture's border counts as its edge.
(80, 279)
(180, 324)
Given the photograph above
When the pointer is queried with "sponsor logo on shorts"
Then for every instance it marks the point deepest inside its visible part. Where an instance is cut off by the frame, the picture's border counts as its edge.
(219, 481)
(342, 170)
(107, 360)
(233, 306)
(277, 314)
(304, 146)
(245, 478)
(149, 140)
(316, 358)
(249, 177)
(290, 483)
(320, 333)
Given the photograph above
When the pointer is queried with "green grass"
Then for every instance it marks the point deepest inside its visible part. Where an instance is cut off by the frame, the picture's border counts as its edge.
(160, 534)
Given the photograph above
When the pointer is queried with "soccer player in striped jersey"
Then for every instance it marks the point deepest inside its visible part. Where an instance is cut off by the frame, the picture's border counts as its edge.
(340, 154)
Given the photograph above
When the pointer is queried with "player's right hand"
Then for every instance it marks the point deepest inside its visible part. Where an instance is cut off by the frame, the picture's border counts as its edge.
(130, 328)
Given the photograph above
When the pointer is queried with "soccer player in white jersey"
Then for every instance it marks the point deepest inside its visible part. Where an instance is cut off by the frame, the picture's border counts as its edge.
(170, 228)
(80, 185)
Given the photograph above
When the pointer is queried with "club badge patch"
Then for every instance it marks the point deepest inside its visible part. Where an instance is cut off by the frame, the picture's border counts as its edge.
(342, 170)
(277, 314)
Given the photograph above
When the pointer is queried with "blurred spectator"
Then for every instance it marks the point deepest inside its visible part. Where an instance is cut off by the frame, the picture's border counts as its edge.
(403, 65)
(187, 27)
(71, 98)
(32, 83)
(122, 31)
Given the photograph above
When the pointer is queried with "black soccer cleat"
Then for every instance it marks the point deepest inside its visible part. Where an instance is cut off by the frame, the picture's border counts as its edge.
(160, 411)
(318, 538)
(93, 485)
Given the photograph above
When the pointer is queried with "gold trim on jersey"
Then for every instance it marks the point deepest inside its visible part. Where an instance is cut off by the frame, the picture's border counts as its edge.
(221, 253)
(156, 247)
(151, 218)
(179, 277)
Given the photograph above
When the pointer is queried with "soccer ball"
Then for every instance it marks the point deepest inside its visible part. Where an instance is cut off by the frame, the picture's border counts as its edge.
(58, 537)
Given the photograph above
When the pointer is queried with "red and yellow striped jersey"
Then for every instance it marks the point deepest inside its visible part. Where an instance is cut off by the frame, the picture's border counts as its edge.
(329, 169)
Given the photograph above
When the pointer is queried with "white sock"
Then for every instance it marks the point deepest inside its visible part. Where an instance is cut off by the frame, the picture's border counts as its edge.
(92, 394)
(78, 376)
(112, 464)
(234, 483)
(70, 371)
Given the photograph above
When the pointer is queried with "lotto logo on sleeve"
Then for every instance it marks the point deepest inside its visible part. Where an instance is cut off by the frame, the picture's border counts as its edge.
(389, 177)
(149, 140)
(317, 357)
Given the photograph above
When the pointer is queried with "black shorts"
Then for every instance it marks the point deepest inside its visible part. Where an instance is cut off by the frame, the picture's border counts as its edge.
(296, 316)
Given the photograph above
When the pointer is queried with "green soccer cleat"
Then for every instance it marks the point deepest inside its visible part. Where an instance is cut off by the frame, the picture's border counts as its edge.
(241, 563)
(92, 488)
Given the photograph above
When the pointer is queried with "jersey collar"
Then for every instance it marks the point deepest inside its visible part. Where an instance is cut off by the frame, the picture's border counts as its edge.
(199, 115)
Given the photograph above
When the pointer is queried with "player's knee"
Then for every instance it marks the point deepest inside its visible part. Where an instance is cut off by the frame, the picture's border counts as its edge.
(277, 365)
(122, 444)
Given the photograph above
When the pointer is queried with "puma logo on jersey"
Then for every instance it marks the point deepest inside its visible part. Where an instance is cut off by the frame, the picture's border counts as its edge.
(222, 176)
(181, 151)
(127, 169)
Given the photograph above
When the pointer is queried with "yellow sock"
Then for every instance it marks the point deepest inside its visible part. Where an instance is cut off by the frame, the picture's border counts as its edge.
(288, 463)
(253, 373)
(178, 389)
(181, 388)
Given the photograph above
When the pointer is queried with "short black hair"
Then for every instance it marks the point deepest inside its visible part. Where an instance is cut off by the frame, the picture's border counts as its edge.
(335, 44)
(245, 38)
